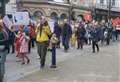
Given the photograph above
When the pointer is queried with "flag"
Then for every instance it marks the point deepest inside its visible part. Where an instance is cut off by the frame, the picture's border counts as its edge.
(87, 17)
(116, 21)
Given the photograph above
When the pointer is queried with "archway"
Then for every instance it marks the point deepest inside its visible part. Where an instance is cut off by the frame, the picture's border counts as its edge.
(63, 16)
(37, 14)
(54, 16)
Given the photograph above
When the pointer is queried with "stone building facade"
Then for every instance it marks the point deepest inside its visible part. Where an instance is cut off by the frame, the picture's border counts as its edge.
(52, 9)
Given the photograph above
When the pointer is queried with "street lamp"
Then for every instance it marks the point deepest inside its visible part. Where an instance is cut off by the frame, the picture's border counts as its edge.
(109, 11)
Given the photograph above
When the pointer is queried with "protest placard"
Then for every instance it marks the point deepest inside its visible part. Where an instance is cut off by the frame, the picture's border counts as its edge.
(21, 18)
(8, 23)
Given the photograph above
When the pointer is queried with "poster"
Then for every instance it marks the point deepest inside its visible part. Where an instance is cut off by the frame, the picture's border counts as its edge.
(7, 22)
(21, 18)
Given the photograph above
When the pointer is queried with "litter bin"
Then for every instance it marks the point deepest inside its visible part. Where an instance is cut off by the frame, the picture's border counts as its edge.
(2, 64)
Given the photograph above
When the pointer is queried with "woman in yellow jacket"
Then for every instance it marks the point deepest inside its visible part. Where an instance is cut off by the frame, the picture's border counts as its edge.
(42, 37)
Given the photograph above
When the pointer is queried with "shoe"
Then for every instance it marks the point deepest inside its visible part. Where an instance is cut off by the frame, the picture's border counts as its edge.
(22, 63)
(12, 52)
(28, 61)
(53, 66)
(93, 51)
(97, 50)
(42, 66)
(65, 51)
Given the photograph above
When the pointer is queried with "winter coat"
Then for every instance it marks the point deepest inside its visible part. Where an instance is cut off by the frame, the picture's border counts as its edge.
(81, 33)
(95, 34)
(57, 30)
(67, 31)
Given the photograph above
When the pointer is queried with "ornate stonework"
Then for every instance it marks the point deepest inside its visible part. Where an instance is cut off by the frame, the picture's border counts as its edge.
(47, 8)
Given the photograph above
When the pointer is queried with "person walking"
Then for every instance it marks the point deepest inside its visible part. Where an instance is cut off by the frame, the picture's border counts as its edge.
(42, 37)
(11, 39)
(16, 42)
(66, 34)
(80, 35)
(24, 40)
(95, 37)
(3, 50)
(32, 36)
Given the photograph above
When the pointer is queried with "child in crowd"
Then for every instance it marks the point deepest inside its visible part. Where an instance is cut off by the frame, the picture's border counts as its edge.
(16, 43)
(24, 41)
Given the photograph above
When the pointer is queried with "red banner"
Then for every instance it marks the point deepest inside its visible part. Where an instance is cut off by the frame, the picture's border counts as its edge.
(116, 20)
(87, 17)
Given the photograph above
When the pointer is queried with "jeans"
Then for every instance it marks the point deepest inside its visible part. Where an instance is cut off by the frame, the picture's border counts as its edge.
(2, 64)
(95, 44)
(65, 42)
(53, 55)
(42, 51)
(80, 43)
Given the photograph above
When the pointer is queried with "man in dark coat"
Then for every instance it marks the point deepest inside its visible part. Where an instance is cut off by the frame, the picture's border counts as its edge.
(80, 35)
(108, 33)
(66, 34)
(95, 37)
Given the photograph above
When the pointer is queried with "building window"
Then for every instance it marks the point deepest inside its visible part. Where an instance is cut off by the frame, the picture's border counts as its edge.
(113, 2)
(63, 16)
(38, 13)
(54, 16)
(101, 1)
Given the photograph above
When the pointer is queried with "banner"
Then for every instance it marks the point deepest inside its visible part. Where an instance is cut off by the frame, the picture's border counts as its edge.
(87, 17)
(21, 18)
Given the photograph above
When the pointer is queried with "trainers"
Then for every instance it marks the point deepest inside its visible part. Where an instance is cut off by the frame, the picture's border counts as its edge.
(53, 66)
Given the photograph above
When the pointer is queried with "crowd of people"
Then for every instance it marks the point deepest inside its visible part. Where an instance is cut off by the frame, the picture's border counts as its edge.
(74, 34)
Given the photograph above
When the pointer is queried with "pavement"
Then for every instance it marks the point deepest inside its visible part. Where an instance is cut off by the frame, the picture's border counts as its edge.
(74, 66)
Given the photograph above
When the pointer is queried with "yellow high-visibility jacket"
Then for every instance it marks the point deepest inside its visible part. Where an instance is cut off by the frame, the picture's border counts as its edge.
(46, 32)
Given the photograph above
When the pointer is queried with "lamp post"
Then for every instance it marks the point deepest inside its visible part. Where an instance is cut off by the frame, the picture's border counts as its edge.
(109, 11)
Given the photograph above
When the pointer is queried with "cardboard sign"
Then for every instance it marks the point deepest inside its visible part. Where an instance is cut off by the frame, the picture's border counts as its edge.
(21, 18)
(7, 22)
